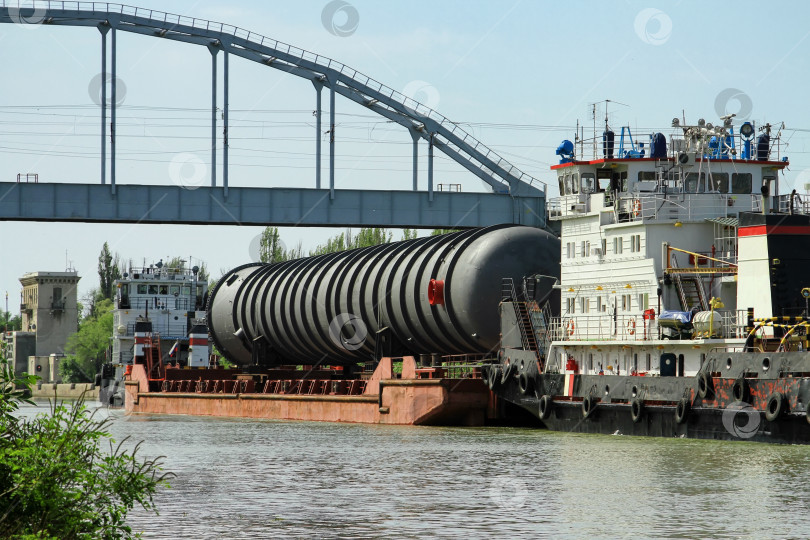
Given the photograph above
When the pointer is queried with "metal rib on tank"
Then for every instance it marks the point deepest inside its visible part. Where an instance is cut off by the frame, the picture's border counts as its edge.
(338, 308)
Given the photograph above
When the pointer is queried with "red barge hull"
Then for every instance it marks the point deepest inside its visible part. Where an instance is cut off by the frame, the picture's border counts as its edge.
(417, 396)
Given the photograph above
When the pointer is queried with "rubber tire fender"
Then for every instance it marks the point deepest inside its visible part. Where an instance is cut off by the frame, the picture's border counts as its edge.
(508, 369)
(636, 410)
(494, 377)
(775, 406)
(546, 404)
(739, 389)
(682, 411)
(704, 385)
(588, 406)
(524, 383)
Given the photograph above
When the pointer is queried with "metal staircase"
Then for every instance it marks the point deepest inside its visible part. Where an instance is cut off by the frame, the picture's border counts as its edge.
(690, 290)
(522, 314)
(155, 369)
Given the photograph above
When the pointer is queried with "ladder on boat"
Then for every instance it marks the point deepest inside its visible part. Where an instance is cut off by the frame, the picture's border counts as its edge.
(154, 360)
(523, 308)
(690, 290)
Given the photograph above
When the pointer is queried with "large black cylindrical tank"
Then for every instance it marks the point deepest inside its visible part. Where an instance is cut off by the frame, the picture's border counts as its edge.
(345, 307)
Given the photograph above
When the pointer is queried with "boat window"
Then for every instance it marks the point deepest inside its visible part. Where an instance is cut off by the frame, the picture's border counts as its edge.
(575, 182)
(568, 190)
(741, 183)
(623, 180)
(174, 290)
(646, 176)
(584, 305)
(695, 185)
(588, 183)
(141, 288)
(571, 304)
(618, 245)
(186, 290)
(164, 289)
(582, 249)
(718, 182)
(603, 179)
(649, 361)
(562, 184)
(153, 289)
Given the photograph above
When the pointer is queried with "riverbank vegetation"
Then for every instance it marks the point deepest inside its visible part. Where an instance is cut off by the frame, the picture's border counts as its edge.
(61, 473)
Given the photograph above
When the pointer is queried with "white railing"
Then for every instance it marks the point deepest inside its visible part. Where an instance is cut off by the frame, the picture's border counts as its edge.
(164, 18)
(683, 206)
(633, 327)
(603, 328)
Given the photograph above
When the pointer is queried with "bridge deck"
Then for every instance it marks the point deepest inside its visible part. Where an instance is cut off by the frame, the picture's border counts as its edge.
(262, 206)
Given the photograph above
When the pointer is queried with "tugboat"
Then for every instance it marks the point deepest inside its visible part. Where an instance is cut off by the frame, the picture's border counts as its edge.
(683, 291)
(162, 308)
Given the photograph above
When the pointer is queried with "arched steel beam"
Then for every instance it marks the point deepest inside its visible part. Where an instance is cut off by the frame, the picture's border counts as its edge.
(465, 149)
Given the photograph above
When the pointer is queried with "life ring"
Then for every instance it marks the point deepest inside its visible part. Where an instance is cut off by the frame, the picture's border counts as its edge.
(636, 410)
(636, 207)
(546, 403)
(681, 411)
(775, 407)
(704, 385)
(588, 405)
(571, 327)
(740, 389)
(631, 326)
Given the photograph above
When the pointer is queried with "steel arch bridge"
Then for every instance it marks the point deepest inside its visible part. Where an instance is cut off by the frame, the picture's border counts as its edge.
(516, 197)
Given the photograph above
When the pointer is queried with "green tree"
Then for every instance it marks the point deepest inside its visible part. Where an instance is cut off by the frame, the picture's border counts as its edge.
(332, 245)
(372, 236)
(271, 248)
(438, 232)
(12, 322)
(409, 234)
(108, 271)
(55, 479)
(86, 348)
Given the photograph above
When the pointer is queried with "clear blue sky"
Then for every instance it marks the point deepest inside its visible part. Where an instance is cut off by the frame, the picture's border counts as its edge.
(517, 74)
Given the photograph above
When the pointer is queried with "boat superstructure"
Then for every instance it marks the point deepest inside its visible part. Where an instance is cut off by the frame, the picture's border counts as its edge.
(680, 261)
(163, 307)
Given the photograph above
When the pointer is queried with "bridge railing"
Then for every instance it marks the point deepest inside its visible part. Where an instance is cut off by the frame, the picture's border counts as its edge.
(416, 108)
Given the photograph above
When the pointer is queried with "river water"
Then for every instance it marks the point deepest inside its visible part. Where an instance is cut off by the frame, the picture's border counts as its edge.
(247, 478)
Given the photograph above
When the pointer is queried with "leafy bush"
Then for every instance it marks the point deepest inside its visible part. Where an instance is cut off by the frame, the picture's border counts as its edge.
(55, 479)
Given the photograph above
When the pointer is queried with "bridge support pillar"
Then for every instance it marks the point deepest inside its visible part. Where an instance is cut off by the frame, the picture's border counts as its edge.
(214, 50)
(113, 99)
(103, 28)
(318, 88)
(415, 136)
(430, 168)
(226, 84)
(332, 141)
